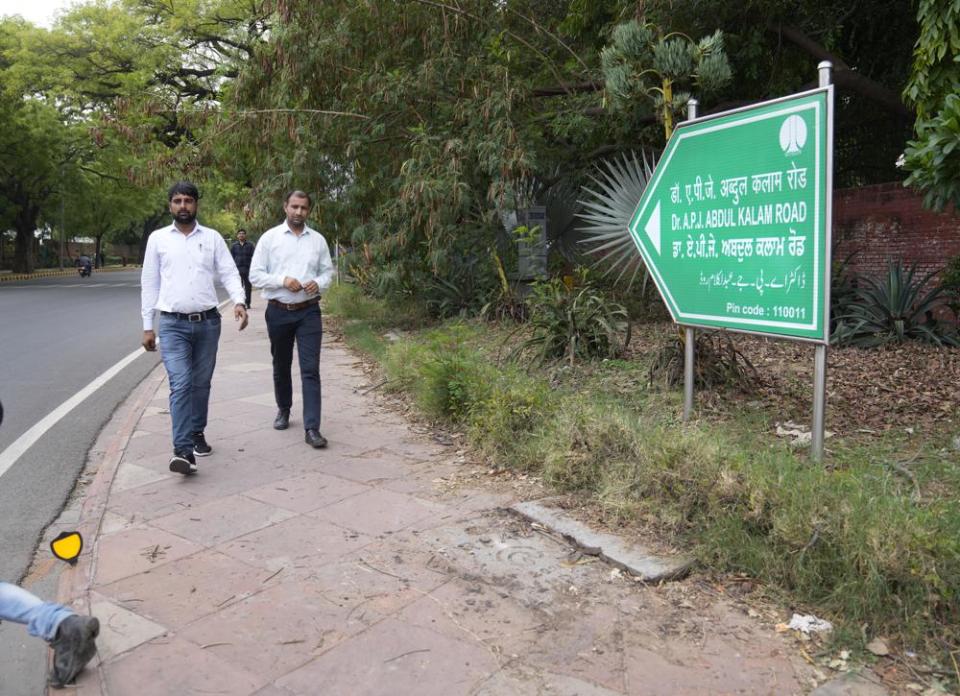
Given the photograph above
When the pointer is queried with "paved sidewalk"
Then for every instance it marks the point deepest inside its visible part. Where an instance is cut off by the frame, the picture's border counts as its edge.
(281, 570)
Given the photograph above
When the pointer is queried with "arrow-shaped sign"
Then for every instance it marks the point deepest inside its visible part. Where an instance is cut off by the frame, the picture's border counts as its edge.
(734, 223)
(652, 228)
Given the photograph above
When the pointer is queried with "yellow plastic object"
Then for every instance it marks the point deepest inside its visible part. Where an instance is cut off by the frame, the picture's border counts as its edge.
(67, 546)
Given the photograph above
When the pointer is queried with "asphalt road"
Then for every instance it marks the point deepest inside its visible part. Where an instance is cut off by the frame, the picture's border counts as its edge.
(56, 336)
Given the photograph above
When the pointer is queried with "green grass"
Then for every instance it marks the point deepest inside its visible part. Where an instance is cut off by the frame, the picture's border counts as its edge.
(870, 537)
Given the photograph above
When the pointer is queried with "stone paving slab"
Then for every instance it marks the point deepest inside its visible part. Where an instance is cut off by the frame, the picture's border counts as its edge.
(279, 570)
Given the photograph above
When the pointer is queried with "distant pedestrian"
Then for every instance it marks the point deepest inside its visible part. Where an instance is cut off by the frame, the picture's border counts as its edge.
(181, 264)
(292, 265)
(242, 252)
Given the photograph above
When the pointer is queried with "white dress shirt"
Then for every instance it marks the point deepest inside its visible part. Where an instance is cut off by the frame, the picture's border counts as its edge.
(281, 253)
(179, 271)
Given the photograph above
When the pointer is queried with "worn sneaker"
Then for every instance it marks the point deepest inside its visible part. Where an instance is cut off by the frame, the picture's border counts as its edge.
(200, 446)
(183, 462)
(73, 647)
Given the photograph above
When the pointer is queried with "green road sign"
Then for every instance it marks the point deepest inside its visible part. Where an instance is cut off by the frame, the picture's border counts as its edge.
(734, 224)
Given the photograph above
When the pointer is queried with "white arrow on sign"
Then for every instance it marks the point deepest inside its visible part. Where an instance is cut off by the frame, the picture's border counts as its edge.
(652, 227)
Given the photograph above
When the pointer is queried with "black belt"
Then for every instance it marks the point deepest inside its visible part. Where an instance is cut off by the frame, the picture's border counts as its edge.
(293, 306)
(194, 316)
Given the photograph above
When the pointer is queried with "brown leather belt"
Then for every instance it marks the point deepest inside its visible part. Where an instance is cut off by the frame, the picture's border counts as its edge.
(294, 306)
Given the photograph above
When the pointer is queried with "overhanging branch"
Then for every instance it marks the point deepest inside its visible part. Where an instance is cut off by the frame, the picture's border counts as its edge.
(843, 75)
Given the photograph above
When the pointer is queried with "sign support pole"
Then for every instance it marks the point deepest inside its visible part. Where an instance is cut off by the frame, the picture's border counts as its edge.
(820, 356)
(689, 355)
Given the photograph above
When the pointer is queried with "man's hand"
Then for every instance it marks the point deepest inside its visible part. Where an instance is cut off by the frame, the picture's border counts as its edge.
(240, 314)
(149, 341)
(292, 284)
(311, 288)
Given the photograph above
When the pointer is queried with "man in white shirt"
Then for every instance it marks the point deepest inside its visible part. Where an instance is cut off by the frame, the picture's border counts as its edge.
(181, 264)
(292, 265)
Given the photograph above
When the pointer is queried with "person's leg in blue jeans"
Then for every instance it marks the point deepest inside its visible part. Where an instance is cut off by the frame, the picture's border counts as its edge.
(309, 335)
(206, 338)
(176, 349)
(72, 637)
(41, 618)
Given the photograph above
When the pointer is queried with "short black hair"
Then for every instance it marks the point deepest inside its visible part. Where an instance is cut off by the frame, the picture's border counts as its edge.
(241, 230)
(299, 194)
(184, 188)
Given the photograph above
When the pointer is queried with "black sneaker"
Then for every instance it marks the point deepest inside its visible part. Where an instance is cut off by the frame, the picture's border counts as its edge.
(183, 462)
(200, 446)
(73, 646)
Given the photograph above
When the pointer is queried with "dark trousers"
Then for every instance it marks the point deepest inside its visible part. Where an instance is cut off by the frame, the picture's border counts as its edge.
(305, 326)
(247, 288)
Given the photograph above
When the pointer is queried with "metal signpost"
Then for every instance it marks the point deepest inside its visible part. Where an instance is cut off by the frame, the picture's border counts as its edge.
(735, 224)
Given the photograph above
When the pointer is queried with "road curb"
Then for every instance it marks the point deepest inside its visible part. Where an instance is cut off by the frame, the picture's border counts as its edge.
(75, 581)
(631, 557)
(10, 277)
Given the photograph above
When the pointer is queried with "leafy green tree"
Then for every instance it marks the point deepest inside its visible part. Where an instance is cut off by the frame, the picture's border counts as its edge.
(933, 158)
(37, 149)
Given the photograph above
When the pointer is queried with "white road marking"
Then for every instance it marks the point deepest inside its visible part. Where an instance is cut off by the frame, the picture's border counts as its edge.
(11, 454)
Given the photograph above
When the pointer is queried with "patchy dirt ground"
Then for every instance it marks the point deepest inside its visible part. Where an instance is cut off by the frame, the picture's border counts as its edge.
(868, 391)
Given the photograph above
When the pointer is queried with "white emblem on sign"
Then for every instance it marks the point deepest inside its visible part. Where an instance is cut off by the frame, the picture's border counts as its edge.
(793, 135)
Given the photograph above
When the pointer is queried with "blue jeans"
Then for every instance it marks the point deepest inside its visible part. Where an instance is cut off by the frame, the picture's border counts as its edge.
(42, 618)
(305, 326)
(189, 352)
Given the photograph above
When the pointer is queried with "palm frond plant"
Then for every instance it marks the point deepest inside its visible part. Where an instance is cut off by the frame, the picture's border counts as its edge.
(608, 205)
(893, 309)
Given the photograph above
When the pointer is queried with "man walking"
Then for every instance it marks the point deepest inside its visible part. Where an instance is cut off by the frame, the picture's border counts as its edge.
(292, 265)
(180, 266)
(242, 252)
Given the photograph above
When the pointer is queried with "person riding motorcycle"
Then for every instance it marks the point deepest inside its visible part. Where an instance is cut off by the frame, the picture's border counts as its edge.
(84, 265)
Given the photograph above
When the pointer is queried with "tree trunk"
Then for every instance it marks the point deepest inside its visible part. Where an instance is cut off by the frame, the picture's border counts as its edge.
(149, 225)
(26, 225)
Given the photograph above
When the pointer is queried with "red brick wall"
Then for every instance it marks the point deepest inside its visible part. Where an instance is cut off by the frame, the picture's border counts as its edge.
(889, 221)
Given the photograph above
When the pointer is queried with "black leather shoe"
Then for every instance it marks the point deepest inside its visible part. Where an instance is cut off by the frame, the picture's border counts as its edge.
(282, 421)
(315, 439)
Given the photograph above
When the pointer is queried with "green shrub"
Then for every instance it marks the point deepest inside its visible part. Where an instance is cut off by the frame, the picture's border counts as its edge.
(504, 422)
(588, 442)
(463, 290)
(893, 309)
(350, 302)
(575, 324)
(950, 284)
(445, 376)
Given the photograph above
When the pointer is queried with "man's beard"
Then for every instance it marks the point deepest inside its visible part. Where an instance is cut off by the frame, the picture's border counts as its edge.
(185, 217)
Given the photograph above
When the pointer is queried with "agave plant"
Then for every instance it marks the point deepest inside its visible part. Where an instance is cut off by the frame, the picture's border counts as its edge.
(574, 324)
(893, 309)
(607, 209)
